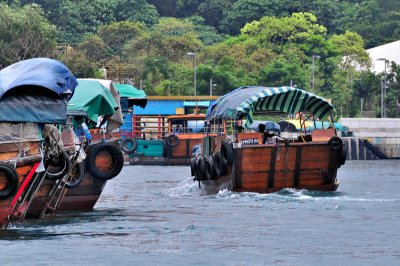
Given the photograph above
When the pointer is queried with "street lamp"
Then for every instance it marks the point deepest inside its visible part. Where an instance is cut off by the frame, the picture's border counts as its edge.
(313, 71)
(211, 86)
(383, 89)
(195, 87)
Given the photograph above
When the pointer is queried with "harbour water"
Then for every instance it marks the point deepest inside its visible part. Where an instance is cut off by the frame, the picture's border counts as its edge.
(156, 215)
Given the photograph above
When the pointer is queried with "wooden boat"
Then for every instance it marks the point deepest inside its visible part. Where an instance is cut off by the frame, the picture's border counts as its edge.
(174, 145)
(79, 190)
(242, 161)
(33, 95)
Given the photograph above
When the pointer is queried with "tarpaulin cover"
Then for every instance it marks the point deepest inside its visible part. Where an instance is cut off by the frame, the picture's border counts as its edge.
(92, 98)
(19, 132)
(43, 72)
(35, 90)
(116, 120)
(293, 125)
(135, 96)
(245, 101)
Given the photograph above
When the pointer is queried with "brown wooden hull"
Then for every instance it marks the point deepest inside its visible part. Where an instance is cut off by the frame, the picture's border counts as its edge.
(80, 198)
(24, 167)
(271, 168)
(183, 152)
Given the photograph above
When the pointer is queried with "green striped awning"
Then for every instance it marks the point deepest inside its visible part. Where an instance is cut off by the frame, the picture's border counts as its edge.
(244, 102)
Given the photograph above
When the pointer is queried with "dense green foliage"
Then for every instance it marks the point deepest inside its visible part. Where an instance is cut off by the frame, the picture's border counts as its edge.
(237, 42)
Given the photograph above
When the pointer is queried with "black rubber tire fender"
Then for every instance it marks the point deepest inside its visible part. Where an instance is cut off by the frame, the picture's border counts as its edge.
(61, 164)
(172, 140)
(193, 166)
(226, 153)
(343, 155)
(166, 149)
(117, 164)
(197, 171)
(220, 168)
(12, 181)
(335, 143)
(201, 165)
(129, 145)
(209, 168)
(79, 173)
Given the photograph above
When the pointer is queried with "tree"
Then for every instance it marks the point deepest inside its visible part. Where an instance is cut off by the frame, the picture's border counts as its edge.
(246, 11)
(79, 64)
(25, 33)
(207, 35)
(367, 86)
(135, 11)
(94, 49)
(213, 11)
(180, 81)
(170, 38)
(116, 35)
(282, 72)
(350, 45)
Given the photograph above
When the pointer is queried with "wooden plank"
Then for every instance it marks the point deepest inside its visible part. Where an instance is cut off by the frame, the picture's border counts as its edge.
(323, 134)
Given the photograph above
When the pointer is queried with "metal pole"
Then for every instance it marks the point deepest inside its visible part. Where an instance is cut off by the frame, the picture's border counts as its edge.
(195, 87)
(384, 91)
(362, 103)
(382, 99)
(211, 85)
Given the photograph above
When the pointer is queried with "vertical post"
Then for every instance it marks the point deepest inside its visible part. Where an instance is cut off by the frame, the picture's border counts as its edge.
(362, 103)
(383, 89)
(382, 111)
(160, 128)
(195, 85)
(195, 69)
(211, 85)
(384, 92)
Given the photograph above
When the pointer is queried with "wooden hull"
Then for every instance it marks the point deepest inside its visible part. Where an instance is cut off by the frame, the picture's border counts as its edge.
(176, 155)
(80, 198)
(270, 168)
(183, 151)
(25, 169)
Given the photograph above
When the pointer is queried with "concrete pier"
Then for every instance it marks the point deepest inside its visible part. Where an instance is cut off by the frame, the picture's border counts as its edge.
(372, 135)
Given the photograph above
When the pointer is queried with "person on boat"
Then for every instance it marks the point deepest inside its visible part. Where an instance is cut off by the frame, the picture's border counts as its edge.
(239, 127)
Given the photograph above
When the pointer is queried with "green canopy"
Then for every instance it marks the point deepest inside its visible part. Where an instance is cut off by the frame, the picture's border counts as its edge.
(134, 95)
(246, 101)
(93, 99)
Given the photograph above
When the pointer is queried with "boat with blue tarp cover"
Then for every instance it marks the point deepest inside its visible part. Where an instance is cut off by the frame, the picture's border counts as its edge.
(92, 163)
(33, 97)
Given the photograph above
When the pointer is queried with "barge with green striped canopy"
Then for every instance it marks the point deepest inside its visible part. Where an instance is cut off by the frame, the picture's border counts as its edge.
(243, 160)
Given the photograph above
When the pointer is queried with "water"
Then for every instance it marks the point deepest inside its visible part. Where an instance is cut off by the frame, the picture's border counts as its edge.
(155, 215)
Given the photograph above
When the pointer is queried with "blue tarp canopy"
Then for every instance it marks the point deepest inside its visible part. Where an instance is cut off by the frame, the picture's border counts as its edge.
(43, 72)
(244, 102)
(35, 90)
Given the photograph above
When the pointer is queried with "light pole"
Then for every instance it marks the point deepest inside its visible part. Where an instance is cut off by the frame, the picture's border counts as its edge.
(195, 87)
(383, 89)
(313, 71)
(211, 87)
